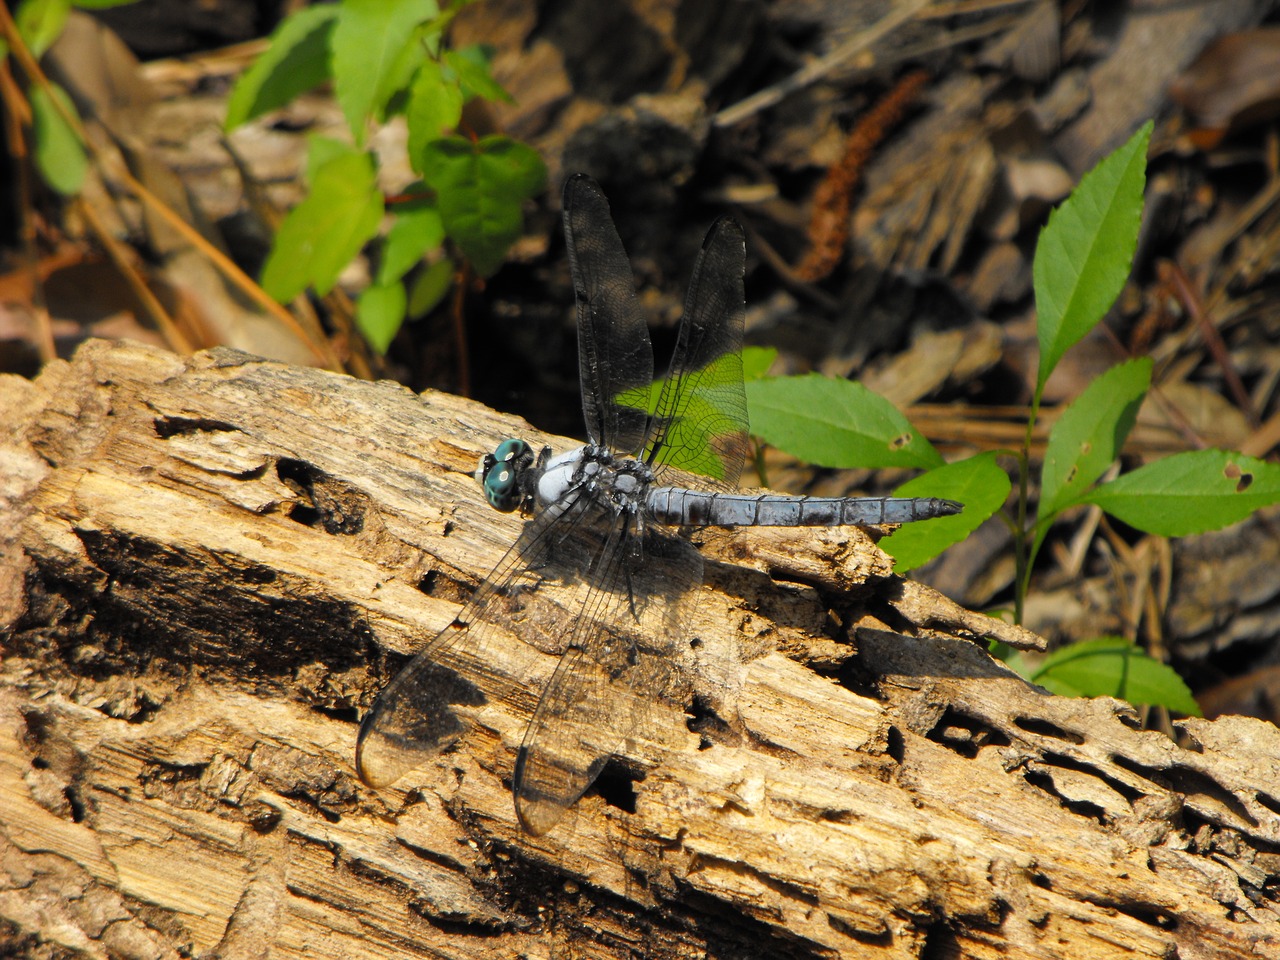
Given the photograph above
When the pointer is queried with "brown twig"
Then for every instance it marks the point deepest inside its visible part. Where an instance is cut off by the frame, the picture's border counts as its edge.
(776, 262)
(814, 71)
(458, 313)
(1172, 274)
(1177, 419)
(323, 351)
(16, 114)
(829, 226)
(176, 339)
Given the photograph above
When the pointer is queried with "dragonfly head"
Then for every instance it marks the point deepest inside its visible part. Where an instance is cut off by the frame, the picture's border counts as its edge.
(499, 474)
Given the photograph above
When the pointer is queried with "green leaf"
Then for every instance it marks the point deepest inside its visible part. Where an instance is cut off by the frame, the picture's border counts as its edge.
(327, 229)
(429, 288)
(394, 90)
(690, 440)
(979, 483)
(1084, 254)
(481, 188)
(1190, 492)
(1090, 434)
(835, 423)
(380, 313)
(708, 425)
(59, 154)
(435, 107)
(756, 362)
(296, 61)
(371, 42)
(1114, 667)
(321, 150)
(40, 22)
(417, 229)
(472, 66)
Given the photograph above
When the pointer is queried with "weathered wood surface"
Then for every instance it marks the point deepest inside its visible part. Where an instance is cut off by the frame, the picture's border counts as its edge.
(211, 566)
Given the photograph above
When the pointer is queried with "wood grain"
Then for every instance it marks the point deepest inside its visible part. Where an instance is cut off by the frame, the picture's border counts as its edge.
(211, 566)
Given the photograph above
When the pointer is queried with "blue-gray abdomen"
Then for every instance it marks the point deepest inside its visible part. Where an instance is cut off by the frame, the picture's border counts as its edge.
(680, 507)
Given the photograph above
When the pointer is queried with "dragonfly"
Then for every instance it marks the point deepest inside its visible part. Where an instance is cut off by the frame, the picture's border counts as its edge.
(603, 569)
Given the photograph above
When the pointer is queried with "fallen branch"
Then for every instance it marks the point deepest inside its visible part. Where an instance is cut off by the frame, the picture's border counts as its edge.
(211, 566)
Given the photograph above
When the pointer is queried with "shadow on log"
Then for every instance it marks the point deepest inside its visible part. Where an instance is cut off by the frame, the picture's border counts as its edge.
(210, 568)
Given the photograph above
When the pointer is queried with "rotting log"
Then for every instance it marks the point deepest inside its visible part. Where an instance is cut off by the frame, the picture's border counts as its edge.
(211, 566)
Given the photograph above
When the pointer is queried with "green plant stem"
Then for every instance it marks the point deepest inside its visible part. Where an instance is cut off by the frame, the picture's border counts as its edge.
(758, 458)
(458, 313)
(1021, 559)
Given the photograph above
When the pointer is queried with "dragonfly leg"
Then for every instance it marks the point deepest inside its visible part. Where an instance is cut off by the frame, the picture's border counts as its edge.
(529, 481)
(633, 538)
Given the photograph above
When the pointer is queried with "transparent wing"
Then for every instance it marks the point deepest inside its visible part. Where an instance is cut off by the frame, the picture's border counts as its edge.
(625, 657)
(626, 651)
(614, 352)
(423, 710)
(700, 422)
(574, 580)
(580, 566)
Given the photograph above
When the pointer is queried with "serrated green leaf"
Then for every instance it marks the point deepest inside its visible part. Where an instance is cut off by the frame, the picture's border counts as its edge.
(40, 22)
(296, 60)
(1090, 434)
(434, 109)
(417, 230)
(59, 154)
(835, 423)
(481, 188)
(380, 311)
(369, 49)
(1190, 492)
(327, 229)
(1085, 252)
(979, 483)
(394, 91)
(429, 288)
(1114, 667)
(472, 66)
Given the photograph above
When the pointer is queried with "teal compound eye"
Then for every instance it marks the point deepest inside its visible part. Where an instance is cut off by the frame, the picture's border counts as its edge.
(500, 474)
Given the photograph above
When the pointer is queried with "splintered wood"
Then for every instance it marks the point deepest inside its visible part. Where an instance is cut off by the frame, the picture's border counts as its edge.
(211, 566)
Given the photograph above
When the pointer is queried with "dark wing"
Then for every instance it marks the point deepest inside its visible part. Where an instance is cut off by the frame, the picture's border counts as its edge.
(618, 668)
(573, 569)
(423, 710)
(626, 652)
(614, 352)
(701, 418)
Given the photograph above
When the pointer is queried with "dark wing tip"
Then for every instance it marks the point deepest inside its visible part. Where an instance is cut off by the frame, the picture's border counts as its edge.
(577, 184)
(726, 227)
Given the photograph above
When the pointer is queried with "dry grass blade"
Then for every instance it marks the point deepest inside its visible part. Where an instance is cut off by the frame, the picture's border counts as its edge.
(819, 68)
